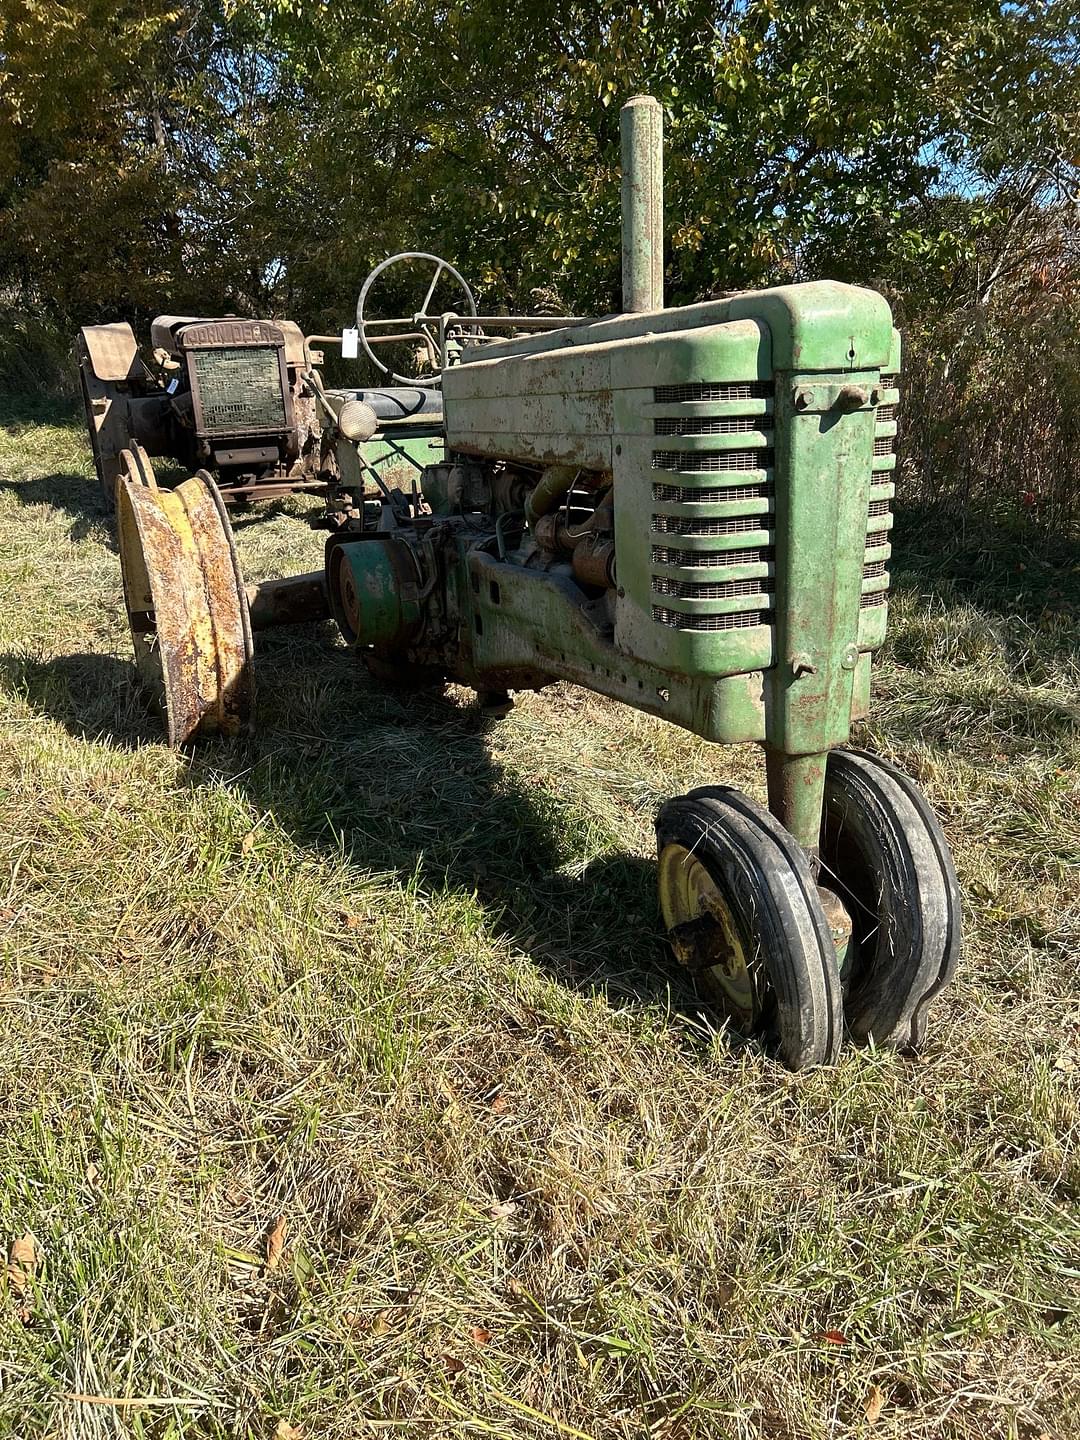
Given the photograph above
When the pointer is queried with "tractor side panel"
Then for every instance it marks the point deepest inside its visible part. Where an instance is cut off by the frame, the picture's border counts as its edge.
(745, 450)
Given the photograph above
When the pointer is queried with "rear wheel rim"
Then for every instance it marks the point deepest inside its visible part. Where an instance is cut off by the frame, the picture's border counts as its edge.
(186, 602)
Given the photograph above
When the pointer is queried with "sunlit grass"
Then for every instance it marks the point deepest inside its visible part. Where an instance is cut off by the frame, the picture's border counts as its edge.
(393, 972)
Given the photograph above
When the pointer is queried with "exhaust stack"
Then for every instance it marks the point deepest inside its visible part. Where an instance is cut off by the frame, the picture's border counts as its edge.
(642, 134)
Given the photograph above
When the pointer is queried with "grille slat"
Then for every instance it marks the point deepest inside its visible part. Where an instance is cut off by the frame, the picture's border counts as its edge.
(726, 425)
(731, 525)
(739, 620)
(711, 390)
(883, 444)
(695, 495)
(878, 508)
(710, 559)
(702, 462)
(709, 589)
(871, 602)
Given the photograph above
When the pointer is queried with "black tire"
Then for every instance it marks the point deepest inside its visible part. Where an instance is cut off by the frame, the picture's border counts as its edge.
(777, 925)
(883, 852)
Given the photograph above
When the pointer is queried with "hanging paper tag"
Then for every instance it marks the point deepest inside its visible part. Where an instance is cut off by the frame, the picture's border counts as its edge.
(350, 344)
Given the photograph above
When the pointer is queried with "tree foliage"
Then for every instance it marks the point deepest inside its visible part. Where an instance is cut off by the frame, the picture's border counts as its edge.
(168, 153)
(260, 156)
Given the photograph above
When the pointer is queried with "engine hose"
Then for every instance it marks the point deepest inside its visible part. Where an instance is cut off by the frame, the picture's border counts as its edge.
(553, 484)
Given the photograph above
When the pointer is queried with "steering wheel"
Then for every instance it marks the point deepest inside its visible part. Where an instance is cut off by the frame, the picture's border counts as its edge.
(420, 321)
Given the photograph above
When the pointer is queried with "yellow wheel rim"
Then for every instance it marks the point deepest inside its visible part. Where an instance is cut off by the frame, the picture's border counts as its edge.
(702, 931)
(185, 600)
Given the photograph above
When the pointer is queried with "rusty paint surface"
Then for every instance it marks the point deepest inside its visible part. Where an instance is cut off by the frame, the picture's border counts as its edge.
(187, 611)
(111, 350)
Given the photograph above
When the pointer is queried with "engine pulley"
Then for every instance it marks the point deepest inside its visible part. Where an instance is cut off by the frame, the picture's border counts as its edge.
(375, 585)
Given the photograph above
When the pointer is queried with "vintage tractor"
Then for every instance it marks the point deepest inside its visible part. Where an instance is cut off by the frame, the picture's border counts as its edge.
(223, 393)
(244, 399)
(687, 510)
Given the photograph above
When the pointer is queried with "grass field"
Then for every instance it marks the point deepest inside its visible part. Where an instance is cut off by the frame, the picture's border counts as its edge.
(345, 1089)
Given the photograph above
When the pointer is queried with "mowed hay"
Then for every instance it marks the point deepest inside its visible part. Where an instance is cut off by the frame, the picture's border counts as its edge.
(346, 1088)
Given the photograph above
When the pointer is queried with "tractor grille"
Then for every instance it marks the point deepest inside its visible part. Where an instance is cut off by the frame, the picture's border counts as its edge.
(713, 605)
(879, 518)
(745, 602)
(239, 389)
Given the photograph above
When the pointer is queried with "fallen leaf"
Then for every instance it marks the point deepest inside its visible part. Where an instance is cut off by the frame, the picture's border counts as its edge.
(6, 913)
(498, 1105)
(452, 1364)
(353, 922)
(93, 1175)
(480, 1336)
(247, 844)
(502, 1210)
(875, 1403)
(22, 1262)
(284, 1431)
(275, 1242)
(834, 1337)
(380, 1325)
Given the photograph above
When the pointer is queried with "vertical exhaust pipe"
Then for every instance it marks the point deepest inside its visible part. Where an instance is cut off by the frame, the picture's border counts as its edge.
(642, 135)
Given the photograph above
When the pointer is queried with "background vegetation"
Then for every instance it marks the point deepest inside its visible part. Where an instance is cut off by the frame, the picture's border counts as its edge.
(194, 155)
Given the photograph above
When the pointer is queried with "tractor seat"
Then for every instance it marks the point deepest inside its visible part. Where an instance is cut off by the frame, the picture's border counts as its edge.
(397, 402)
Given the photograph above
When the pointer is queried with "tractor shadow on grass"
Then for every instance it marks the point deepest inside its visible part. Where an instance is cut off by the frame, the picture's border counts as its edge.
(411, 782)
(407, 783)
(93, 696)
(74, 494)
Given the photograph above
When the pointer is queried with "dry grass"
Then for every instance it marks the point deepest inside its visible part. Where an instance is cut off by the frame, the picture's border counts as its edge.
(392, 973)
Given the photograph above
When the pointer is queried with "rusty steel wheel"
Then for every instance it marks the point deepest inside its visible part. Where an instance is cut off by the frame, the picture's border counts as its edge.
(185, 600)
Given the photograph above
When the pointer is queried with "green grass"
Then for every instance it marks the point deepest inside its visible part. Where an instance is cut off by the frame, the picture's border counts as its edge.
(393, 972)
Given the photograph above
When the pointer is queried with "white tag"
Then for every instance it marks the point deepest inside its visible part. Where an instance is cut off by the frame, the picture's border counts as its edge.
(350, 344)
(171, 388)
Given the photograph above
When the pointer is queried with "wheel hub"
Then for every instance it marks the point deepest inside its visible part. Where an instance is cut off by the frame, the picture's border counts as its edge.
(702, 930)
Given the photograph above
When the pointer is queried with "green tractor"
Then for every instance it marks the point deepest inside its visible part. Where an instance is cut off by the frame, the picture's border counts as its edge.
(687, 510)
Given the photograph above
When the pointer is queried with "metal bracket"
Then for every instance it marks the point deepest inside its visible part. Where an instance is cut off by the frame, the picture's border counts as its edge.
(844, 397)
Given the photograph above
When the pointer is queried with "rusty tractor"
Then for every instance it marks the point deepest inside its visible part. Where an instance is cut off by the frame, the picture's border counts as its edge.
(685, 509)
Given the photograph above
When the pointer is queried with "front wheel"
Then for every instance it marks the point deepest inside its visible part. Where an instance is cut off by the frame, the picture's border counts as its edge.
(743, 915)
(883, 852)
